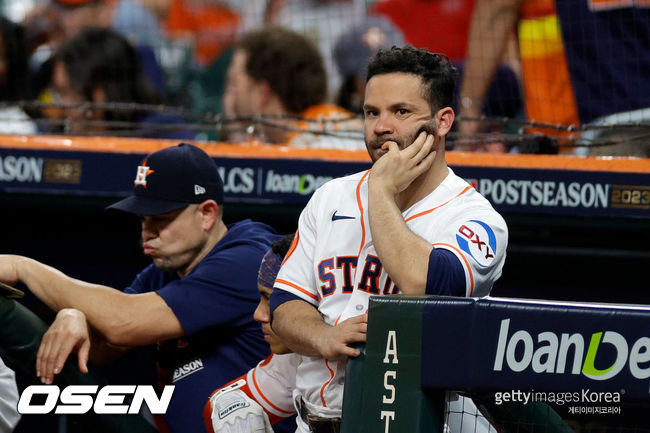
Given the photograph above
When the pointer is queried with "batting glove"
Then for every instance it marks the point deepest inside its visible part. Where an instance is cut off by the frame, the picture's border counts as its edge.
(236, 412)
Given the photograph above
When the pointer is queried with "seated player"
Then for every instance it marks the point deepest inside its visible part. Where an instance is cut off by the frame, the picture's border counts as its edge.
(263, 396)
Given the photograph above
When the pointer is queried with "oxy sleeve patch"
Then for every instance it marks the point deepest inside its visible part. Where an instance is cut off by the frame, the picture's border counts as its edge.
(478, 240)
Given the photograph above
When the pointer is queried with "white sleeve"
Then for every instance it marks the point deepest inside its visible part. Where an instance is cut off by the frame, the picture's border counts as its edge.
(9, 415)
(296, 274)
(272, 382)
(479, 240)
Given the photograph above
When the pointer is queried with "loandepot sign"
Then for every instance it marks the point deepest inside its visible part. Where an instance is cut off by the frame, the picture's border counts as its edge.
(548, 352)
(304, 184)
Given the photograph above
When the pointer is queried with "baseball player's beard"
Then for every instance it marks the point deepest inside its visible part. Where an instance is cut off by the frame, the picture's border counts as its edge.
(374, 145)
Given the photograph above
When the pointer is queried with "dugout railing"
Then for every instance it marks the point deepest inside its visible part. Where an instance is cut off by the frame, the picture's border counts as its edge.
(578, 226)
(582, 366)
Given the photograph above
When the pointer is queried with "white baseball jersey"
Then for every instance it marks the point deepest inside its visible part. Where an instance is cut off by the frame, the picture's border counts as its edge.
(334, 266)
(271, 384)
(272, 381)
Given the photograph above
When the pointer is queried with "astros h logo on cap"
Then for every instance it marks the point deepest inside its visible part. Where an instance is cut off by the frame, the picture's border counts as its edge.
(173, 178)
(141, 175)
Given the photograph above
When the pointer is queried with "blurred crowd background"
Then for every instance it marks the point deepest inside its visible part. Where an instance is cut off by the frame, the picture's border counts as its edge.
(167, 69)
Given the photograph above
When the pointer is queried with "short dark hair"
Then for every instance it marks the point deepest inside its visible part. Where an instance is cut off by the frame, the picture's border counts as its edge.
(436, 71)
(282, 245)
(102, 58)
(290, 63)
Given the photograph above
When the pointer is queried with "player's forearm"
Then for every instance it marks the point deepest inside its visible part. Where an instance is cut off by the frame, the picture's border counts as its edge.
(125, 320)
(300, 326)
(492, 20)
(404, 255)
(58, 290)
(302, 329)
(103, 352)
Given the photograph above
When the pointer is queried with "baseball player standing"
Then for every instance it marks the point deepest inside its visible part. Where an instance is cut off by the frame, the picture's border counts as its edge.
(407, 226)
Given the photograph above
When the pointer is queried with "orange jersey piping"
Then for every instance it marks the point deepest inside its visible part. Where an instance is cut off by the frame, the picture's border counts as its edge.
(292, 247)
(322, 390)
(311, 295)
(363, 224)
(265, 398)
(439, 206)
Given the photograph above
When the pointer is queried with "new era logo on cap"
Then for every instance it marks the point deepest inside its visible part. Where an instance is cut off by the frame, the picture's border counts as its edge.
(173, 178)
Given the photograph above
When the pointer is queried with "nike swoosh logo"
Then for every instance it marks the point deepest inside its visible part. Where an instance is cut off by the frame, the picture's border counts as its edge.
(336, 217)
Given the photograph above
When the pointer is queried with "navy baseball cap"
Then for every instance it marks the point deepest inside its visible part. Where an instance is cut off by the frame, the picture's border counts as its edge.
(171, 179)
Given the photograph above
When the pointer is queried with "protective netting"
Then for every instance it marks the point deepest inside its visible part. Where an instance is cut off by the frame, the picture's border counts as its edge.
(536, 76)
